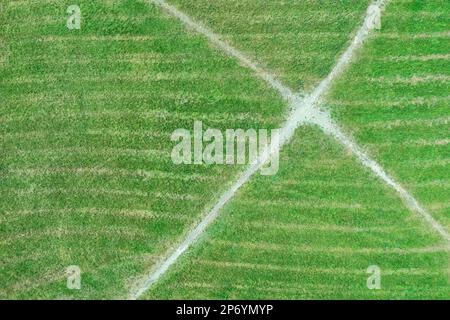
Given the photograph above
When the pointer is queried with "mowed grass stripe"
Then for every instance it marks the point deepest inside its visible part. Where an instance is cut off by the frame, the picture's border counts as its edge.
(315, 271)
(429, 57)
(122, 215)
(333, 251)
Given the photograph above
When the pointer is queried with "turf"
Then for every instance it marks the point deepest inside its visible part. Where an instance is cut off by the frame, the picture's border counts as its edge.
(311, 232)
(86, 175)
(397, 102)
(86, 119)
(293, 39)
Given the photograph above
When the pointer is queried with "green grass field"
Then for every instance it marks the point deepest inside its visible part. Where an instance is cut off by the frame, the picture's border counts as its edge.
(86, 176)
(301, 234)
(86, 119)
(397, 101)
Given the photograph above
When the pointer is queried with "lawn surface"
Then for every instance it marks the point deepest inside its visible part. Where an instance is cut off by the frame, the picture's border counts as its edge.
(395, 100)
(86, 176)
(86, 119)
(311, 232)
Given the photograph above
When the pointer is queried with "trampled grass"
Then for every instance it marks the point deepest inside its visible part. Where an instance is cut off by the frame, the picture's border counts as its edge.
(86, 175)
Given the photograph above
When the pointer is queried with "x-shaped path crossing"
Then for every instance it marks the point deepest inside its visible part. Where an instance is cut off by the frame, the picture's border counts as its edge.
(305, 110)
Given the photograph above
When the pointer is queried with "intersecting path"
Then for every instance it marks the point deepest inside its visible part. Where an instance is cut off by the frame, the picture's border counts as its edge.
(305, 110)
